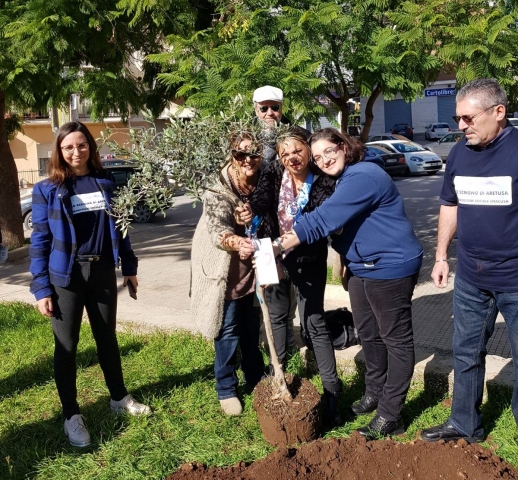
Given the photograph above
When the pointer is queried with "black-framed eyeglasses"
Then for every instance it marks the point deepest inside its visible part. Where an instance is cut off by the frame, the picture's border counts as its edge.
(241, 155)
(82, 147)
(264, 108)
(469, 119)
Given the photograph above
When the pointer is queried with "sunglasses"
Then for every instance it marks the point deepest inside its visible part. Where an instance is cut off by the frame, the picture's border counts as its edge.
(274, 108)
(471, 118)
(240, 155)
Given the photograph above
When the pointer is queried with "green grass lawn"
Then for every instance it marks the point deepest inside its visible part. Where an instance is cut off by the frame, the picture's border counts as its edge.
(173, 373)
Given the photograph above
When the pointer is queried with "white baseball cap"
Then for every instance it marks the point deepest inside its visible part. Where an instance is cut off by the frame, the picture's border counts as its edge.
(263, 94)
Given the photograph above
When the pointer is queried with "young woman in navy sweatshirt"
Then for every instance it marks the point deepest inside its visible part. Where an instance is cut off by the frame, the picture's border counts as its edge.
(366, 219)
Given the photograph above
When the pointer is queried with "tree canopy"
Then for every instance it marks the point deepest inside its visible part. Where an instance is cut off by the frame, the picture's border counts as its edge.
(50, 49)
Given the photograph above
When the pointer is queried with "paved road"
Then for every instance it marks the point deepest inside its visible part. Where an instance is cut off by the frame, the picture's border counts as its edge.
(164, 273)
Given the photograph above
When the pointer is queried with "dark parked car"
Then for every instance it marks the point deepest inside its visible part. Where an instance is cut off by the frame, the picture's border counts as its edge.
(392, 163)
(122, 173)
(112, 162)
(26, 204)
(403, 129)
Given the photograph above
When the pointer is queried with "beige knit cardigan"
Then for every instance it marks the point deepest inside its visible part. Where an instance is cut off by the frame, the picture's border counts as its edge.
(210, 263)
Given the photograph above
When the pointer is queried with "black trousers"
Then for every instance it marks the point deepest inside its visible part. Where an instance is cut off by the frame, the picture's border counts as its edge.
(92, 286)
(309, 278)
(382, 313)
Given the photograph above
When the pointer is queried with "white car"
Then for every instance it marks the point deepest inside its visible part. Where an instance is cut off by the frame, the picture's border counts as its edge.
(513, 121)
(418, 159)
(436, 130)
(445, 144)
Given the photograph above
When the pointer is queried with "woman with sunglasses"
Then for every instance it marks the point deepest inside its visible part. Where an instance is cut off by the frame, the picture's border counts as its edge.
(366, 219)
(222, 276)
(286, 190)
(75, 248)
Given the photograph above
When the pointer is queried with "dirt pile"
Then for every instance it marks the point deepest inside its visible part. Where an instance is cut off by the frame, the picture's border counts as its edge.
(288, 424)
(356, 459)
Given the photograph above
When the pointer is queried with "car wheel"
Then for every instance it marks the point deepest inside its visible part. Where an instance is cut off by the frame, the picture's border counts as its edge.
(427, 136)
(142, 214)
(27, 221)
(407, 172)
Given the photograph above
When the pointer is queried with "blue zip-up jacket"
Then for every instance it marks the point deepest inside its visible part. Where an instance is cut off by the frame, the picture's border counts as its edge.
(53, 240)
(375, 236)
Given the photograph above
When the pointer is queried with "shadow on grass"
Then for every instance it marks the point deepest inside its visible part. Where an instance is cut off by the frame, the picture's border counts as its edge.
(24, 447)
(42, 371)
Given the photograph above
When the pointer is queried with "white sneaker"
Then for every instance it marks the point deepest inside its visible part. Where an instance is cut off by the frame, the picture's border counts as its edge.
(76, 431)
(129, 405)
(231, 406)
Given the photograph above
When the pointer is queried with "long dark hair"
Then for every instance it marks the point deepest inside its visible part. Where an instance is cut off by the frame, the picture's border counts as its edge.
(354, 152)
(58, 169)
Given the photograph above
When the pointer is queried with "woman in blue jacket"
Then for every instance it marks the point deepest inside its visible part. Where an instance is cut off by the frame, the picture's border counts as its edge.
(366, 218)
(75, 248)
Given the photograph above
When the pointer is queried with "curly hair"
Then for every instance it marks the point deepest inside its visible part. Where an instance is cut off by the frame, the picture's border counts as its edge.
(58, 169)
(355, 150)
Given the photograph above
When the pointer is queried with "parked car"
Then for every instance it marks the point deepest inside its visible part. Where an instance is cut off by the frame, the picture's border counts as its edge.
(26, 204)
(436, 130)
(513, 121)
(121, 173)
(392, 163)
(445, 144)
(403, 129)
(418, 159)
(112, 162)
(387, 136)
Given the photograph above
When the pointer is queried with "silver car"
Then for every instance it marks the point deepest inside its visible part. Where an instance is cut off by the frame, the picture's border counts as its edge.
(445, 144)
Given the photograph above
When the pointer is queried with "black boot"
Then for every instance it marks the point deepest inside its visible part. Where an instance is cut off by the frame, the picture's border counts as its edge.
(332, 417)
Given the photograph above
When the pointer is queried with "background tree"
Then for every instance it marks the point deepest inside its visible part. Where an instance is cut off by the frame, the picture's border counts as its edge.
(313, 50)
(51, 49)
(473, 39)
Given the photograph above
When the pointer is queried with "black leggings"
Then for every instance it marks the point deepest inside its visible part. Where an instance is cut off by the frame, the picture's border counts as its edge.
(309, 278)
(92, 286)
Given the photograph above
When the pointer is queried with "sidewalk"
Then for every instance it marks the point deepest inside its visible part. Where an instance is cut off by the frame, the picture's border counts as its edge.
(163, 301)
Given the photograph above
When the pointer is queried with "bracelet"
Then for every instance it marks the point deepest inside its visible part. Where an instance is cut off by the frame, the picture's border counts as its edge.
(282, 251)
(441, 260)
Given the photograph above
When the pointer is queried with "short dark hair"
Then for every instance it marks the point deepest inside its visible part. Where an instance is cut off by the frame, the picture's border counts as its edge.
(58, 169)
(355, 151)
(486, 91)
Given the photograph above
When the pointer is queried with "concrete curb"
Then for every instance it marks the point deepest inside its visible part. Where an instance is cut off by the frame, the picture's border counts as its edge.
(18, 253)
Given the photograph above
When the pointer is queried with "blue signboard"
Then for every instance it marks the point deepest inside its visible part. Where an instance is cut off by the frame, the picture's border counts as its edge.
(439, 92)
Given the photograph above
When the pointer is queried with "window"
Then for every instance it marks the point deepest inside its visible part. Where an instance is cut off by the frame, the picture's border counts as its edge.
(42, 166)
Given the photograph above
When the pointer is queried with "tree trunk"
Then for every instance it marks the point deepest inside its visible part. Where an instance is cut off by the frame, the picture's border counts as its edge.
(344, 123)
(369, 116)
(11, 224)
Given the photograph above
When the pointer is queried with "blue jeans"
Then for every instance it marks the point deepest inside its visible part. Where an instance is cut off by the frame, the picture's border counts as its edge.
(241, 321)
(475, 312)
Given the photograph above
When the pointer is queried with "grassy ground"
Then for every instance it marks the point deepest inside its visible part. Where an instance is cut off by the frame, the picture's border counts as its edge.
(174, 374)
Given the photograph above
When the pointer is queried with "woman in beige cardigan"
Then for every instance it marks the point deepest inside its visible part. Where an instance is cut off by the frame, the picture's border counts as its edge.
(223, 280)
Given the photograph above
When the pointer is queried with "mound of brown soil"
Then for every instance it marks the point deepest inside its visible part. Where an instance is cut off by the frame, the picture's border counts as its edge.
(354, 458)
(290, 423)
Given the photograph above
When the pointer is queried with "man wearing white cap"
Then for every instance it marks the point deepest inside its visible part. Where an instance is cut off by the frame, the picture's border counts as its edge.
(268, 104)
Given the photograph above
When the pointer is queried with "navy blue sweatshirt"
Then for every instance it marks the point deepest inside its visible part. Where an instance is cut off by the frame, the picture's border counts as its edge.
(483, 183)
(372, 231)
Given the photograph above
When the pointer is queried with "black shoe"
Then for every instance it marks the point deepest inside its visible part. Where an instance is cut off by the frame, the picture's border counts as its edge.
(367, 404)
(447, 431)
(381, 427)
